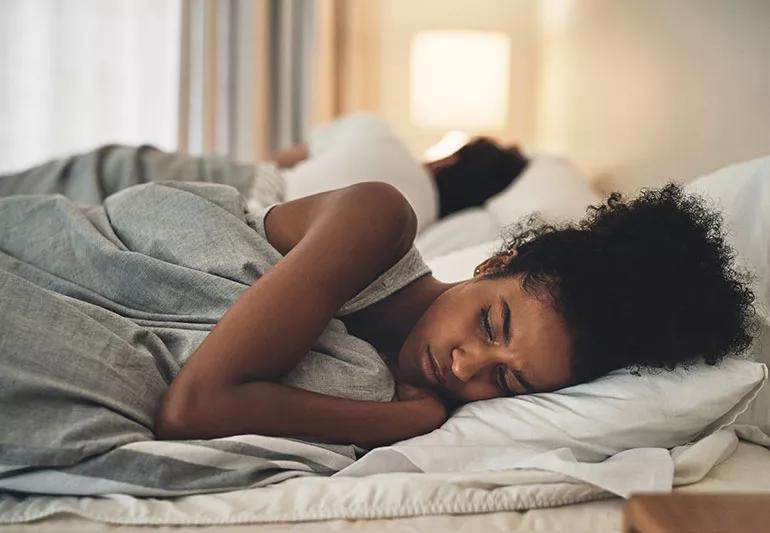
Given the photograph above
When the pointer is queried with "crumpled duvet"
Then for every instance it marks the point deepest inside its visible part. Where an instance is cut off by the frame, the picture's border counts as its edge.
(377, 496)
(99, 309)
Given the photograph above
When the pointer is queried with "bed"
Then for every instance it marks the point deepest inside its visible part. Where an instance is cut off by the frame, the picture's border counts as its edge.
(733, 460)
(393, 502)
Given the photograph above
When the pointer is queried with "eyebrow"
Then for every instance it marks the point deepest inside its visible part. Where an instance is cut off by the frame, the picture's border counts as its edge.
(506, 312)
(506, 321)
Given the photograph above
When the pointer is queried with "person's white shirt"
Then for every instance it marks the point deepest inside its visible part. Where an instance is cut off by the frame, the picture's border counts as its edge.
(361, 147)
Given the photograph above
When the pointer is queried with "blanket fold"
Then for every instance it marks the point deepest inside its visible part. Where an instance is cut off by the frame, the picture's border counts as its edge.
(100, 306)
(91, 177)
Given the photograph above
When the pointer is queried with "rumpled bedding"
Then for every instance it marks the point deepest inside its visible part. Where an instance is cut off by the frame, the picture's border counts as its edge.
(99, 309)
(397, 494)
(90, 177)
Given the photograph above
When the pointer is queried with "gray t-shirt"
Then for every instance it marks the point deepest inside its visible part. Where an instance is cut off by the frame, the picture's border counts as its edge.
(341, 364)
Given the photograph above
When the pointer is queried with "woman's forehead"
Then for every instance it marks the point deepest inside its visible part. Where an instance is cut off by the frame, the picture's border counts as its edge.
(541, 340)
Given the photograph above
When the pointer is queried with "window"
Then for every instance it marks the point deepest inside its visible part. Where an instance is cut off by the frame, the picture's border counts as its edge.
(77, 74)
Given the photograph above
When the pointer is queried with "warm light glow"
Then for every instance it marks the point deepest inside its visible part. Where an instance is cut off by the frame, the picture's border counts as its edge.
(449, 144)
(460, 80)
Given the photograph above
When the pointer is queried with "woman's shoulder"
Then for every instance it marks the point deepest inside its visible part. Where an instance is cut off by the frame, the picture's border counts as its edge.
(380, 205)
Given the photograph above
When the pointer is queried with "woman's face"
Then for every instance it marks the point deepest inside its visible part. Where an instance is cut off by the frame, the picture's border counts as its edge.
(484, 339)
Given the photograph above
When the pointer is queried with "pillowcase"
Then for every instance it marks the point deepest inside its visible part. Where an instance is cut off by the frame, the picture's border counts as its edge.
(549, 186)
(459, 265)
(617, 412)
(628, 420)
(458, 231)
(742, 193)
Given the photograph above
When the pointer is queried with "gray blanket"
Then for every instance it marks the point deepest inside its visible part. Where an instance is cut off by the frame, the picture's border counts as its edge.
(99, 308)
(91, 177)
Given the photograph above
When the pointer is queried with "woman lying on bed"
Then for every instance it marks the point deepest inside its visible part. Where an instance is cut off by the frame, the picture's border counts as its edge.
(645, 283)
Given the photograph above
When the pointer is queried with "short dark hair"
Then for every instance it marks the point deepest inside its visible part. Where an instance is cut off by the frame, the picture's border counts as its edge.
(481, 171)
(646, 283)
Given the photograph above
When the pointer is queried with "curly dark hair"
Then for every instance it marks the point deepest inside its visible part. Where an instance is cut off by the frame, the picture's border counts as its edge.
(645, 283)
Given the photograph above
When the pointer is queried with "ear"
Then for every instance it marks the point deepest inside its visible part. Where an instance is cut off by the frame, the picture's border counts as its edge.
(494, 264)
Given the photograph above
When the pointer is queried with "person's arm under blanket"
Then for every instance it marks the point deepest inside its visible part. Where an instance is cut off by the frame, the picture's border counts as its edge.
(289, 157)
(90, 177)
(334, 244)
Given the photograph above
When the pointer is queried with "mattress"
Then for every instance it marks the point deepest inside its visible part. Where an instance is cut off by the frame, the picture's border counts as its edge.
(746, 470)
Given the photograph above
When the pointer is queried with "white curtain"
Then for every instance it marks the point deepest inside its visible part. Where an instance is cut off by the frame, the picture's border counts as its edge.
(245, 76)
(293, 42)
(78, 73)
(232, 77)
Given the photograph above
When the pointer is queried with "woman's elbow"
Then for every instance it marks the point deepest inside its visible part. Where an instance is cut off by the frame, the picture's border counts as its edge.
(173, 420)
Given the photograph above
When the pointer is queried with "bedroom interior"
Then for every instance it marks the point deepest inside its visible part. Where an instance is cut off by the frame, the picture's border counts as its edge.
(598, 95)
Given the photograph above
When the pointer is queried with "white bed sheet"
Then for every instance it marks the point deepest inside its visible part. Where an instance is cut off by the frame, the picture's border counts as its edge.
(746, 470)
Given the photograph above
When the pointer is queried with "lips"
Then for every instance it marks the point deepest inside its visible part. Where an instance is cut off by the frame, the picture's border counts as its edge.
(437, 370)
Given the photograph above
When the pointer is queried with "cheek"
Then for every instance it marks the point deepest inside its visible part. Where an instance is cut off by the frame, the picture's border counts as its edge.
(453, 324)
(475, 391)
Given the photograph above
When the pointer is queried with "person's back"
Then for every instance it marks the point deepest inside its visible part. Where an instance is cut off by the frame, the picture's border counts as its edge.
(361, 146)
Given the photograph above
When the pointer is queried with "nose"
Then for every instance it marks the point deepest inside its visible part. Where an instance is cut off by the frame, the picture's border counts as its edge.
(469, 360)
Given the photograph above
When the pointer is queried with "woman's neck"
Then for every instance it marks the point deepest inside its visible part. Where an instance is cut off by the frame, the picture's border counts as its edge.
(386, 324)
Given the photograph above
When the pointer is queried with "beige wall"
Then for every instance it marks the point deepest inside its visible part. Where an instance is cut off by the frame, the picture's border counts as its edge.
(401, 19)
(633, 92)
(638, 92)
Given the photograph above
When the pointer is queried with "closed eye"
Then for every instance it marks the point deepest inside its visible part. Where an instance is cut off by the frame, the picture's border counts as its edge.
(485, 324)
(501, 382)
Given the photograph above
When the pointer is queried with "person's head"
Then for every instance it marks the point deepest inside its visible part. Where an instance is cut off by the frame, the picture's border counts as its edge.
(474, 173)
(647, 283)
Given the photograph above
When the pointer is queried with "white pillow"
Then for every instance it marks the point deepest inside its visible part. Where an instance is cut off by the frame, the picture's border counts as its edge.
(459, 265)
(632, 420)
(460, 230)
(742, 193)
(616, 412)
(549, 186)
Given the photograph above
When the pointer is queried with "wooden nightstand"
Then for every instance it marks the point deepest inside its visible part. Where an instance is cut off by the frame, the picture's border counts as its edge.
(701, 513)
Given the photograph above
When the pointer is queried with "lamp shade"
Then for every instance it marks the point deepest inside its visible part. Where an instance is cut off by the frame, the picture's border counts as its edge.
(459, 80)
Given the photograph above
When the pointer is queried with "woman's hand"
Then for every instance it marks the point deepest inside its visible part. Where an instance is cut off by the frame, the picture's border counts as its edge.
(432, 407)
(430, 404)
(291, 156)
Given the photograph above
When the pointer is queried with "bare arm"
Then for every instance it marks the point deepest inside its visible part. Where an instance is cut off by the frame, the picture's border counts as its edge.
(267, 408)
(335, 244)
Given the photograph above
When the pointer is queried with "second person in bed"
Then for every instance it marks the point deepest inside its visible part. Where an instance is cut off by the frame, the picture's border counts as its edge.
(641, 283)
